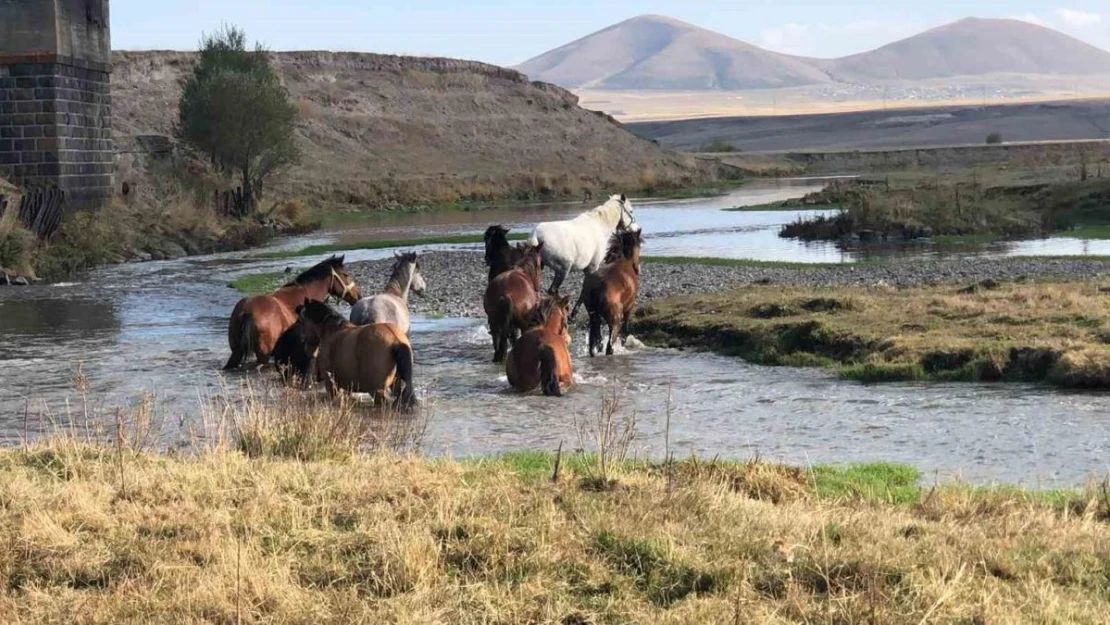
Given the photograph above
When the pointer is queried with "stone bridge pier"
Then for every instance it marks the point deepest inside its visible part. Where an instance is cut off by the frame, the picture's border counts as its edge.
(55, 99)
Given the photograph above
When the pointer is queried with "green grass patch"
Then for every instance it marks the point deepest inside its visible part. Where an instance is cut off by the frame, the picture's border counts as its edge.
(257, 283)
(872, 373)
(1087, 232)
(879, 482)
(378, 244)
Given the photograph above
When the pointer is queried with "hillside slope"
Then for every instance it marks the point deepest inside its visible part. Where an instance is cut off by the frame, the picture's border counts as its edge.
(380, 129)
(656, 52)
(974, 47)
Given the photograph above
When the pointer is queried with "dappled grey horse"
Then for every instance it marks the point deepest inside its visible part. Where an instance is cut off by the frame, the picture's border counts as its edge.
(392, 305)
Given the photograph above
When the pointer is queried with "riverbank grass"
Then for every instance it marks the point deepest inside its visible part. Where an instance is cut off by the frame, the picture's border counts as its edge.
(112, 534)
(1053, 332)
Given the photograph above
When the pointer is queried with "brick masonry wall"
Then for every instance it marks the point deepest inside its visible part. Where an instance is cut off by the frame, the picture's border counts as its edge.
(55, 127)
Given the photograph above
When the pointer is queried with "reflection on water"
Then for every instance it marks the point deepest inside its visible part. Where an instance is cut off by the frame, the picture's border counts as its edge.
(161, 327)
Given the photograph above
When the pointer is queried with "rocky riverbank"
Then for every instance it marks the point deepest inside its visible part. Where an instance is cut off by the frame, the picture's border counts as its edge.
(457, 280)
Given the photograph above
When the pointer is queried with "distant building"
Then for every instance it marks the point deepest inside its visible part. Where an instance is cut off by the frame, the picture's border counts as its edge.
(55, 100)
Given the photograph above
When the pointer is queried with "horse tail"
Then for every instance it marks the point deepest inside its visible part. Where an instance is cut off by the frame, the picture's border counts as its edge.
(549, 379)
(245, 344)
(534, 240)
(402, 357)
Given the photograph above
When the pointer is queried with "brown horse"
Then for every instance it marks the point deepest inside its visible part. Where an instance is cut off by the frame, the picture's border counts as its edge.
(257, 322)
(610, 293)
(500, 256)
(541, 356)
(511, 299)
(375, 359)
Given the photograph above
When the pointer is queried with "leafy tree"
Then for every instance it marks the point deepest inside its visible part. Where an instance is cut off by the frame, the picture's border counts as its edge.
(235, 110)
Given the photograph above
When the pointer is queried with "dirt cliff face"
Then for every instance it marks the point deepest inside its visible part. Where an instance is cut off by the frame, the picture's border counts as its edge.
(378, 129)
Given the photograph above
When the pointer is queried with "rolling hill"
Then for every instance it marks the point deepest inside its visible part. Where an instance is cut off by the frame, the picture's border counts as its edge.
(974, 47)
(661, 53)
(377, 130)
(656, 52)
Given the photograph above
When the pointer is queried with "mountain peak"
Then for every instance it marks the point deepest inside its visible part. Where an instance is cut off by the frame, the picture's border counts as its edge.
(660, 52)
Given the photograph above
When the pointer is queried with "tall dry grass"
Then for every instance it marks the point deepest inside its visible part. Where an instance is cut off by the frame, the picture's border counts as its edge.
(107, 530)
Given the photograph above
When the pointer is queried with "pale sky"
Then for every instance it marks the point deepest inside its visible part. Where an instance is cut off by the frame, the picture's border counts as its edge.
(506, 32)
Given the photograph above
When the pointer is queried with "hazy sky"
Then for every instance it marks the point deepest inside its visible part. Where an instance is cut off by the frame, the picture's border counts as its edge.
(506, 32)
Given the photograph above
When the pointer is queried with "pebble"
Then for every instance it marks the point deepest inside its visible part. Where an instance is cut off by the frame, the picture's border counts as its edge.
(457, 280)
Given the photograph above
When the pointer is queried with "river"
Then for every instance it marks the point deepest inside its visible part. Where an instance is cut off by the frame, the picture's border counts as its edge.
(160, 328)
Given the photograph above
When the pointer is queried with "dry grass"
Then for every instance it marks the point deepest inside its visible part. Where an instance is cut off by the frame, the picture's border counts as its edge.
(103, 534)
(1054, 332)
(340, 528)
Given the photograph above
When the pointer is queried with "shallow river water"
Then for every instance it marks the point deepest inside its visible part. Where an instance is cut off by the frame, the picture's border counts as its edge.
(160, 327)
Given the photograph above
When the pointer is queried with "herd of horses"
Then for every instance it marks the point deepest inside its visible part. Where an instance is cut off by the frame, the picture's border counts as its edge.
(371, 353)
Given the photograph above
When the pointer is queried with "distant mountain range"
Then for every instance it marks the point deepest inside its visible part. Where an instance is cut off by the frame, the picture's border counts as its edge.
(657, 52)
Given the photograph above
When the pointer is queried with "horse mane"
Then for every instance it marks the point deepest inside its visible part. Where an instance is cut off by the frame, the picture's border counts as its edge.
(548, 304)
(319, 271)
(402, 259)
(621, 245)
(496, 240)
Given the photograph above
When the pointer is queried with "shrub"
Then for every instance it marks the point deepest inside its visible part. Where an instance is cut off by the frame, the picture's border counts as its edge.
(994, 138)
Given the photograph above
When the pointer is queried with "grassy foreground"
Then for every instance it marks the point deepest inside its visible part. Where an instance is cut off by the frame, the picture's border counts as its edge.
(110, 535)
(1041, 332)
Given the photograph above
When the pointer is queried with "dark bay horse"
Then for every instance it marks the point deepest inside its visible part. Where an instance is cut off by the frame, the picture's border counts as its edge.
(500, 255)
(541, 356)
(296, 351)
(610, 293)
(375, 359)
(257, 322)
(511, 299)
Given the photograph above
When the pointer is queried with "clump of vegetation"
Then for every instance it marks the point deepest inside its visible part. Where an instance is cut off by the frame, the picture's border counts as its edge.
(1048, 332)
(994, 138)
(17, 245)
(718, 146)
(235, 111)
(877, 212)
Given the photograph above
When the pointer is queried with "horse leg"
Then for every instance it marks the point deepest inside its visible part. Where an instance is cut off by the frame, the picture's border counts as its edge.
(614, 333)
(595, 334)
(581, 295)
(557, 283)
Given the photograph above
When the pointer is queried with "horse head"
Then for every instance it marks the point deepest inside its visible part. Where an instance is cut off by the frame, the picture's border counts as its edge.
(406, 276)
(342, 285)
(531, 263)
(552, 314)
(627, 219)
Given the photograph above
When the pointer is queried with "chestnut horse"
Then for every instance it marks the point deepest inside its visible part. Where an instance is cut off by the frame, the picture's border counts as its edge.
(375, 359)
(610, 293)
(511, 299)
(500, 256)
(541, 356)
(257, 322)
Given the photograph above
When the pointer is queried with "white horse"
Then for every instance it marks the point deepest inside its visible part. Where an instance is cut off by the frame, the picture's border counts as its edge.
(580, 243)
(392, 305)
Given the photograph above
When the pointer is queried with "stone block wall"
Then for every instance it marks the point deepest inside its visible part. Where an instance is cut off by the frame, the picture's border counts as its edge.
(55, 99)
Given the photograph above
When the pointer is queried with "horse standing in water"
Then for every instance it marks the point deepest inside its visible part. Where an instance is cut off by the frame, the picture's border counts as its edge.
(610, 293)
(258, 322)
(511, 299)
(500, 256)
(580, 243)
(375, 359)
(392, 305)
(540, 357)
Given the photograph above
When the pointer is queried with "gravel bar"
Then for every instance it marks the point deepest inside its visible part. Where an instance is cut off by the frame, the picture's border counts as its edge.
(457, 280)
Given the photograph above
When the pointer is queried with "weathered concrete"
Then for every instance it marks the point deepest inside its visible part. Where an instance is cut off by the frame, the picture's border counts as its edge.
(55, 99)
